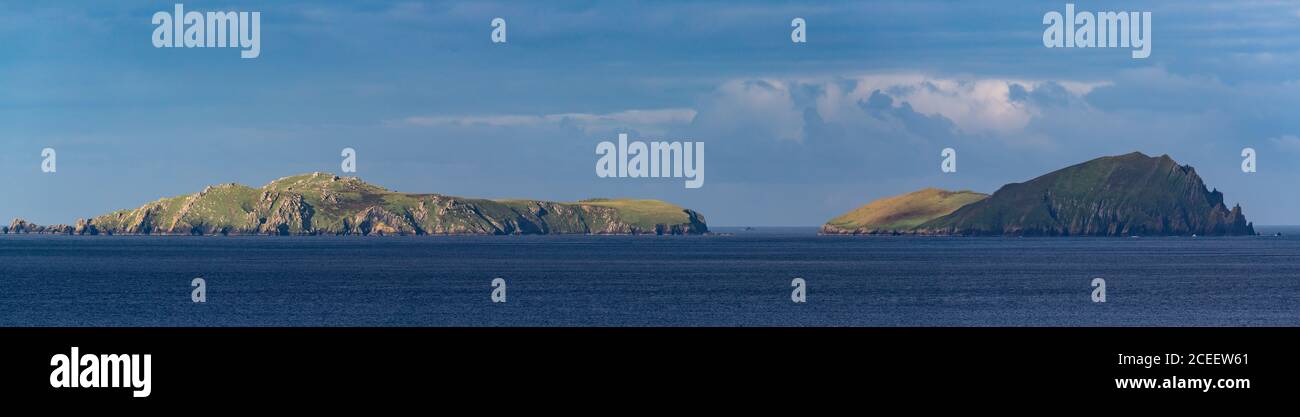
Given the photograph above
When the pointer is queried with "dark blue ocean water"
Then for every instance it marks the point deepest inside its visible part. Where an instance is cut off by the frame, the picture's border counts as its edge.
(738, 280)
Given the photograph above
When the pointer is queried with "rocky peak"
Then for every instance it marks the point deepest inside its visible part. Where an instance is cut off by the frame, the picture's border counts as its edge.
(1130, 194)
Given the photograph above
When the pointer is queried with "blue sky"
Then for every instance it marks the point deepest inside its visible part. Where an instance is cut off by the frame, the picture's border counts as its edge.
(795, 134)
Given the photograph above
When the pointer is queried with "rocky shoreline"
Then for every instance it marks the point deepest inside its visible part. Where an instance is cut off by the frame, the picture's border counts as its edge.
(321, 204)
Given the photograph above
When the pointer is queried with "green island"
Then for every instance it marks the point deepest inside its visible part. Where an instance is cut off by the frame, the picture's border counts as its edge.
(1125, 195)
(326, 204)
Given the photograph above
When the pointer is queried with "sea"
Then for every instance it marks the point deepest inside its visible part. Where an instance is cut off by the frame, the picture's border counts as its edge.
(740, 277)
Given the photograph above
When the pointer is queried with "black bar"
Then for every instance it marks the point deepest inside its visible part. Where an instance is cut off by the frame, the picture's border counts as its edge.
(298, 364)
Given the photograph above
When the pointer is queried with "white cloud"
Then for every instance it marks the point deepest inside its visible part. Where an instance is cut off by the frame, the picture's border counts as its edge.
(978, 106)
(974, 105)
(650, 122)
(1287, 142)
(754, 108)
(775, 109)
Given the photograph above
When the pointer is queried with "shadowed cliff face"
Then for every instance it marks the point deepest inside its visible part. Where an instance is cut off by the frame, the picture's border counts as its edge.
(319, 203)
(1123, 195)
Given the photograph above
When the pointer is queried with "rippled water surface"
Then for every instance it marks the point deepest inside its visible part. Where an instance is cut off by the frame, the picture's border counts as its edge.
(737, 280)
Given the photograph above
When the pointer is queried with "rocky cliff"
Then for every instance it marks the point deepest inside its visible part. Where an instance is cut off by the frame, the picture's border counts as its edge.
(324, 204)
(1125, 195)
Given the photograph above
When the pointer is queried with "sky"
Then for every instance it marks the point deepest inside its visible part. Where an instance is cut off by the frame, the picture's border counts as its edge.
(796, 133)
